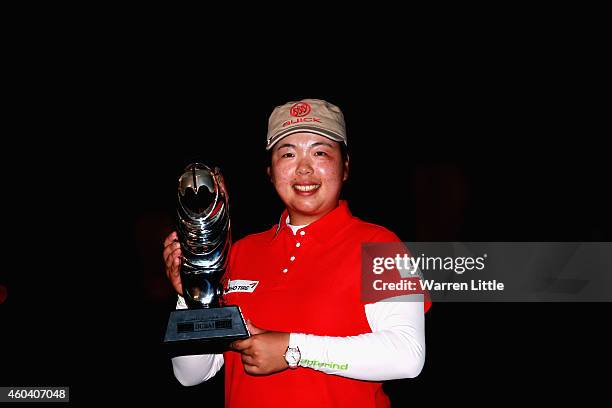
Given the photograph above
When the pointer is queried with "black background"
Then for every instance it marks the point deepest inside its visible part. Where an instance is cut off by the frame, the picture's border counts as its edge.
(495, 146)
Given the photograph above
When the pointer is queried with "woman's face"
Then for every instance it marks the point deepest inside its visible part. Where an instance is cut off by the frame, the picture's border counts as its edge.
(307, 171)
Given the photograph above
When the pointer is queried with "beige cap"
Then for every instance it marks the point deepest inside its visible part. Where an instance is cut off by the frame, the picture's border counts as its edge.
(308, 115)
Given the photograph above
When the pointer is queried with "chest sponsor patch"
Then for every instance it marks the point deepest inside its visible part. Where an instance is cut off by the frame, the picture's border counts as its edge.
(247, 286)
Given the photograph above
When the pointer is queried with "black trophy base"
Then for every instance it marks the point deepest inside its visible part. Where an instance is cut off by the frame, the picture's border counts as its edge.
(204, 331)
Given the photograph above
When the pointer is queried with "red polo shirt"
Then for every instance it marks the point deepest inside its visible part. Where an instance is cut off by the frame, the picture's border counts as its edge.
(306, 283)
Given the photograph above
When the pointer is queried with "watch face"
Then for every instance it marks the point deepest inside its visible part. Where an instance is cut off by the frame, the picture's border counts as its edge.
(292, 356)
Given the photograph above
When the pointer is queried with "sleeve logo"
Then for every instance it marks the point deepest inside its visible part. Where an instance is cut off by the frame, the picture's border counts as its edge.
(247, 286)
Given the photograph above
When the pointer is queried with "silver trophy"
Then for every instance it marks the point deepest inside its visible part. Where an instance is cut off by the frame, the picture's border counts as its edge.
(203, 229)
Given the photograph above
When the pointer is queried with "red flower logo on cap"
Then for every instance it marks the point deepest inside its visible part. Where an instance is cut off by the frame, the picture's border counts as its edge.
(300, 109)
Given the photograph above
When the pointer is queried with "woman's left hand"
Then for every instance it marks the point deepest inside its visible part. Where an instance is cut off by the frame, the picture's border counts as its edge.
(263, 352)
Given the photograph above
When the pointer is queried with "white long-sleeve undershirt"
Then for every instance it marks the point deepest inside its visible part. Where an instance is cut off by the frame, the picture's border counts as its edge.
(395, 348)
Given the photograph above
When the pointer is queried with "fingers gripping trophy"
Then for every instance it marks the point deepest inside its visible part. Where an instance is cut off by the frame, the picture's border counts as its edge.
(203, 230)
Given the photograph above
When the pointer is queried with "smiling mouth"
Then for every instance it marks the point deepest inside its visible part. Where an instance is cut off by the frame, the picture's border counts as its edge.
(304, 188)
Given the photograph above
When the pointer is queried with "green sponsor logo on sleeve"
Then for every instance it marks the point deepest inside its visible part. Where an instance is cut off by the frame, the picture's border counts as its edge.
(320, 364)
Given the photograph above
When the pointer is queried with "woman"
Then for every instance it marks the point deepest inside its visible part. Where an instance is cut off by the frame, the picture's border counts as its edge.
(314, 341)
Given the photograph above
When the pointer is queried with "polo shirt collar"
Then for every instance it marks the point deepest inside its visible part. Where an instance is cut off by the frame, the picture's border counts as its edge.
(325, 227)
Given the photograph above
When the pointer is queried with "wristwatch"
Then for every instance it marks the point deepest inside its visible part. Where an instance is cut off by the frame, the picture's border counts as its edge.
(293, 356)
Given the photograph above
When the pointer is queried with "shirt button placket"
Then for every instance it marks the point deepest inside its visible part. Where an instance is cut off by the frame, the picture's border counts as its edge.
(292, 258)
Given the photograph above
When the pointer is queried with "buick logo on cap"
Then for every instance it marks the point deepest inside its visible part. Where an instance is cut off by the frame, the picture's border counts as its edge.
(300, 109)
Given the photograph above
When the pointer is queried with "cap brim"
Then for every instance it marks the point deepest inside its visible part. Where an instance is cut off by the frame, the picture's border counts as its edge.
(305, 128)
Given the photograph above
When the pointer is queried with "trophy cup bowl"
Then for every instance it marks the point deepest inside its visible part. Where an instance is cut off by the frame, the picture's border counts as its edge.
(203, 230)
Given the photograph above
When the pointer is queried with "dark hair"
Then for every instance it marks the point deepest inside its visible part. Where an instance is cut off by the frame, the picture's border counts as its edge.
(344, 152)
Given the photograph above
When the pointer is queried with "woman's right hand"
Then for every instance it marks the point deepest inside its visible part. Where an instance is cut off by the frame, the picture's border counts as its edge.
(172, 258)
